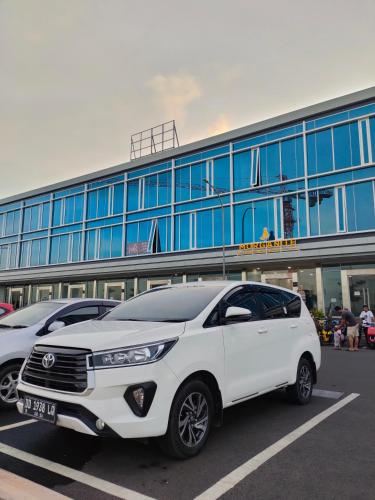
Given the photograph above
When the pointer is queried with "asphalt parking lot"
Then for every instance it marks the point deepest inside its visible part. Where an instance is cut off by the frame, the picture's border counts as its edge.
(277, 450)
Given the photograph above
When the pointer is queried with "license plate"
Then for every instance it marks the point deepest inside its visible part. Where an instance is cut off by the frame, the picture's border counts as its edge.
(40, 409)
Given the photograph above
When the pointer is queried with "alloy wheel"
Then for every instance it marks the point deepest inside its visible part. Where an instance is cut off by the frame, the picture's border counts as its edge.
(193, 419)
(8, 385)
(305, 382)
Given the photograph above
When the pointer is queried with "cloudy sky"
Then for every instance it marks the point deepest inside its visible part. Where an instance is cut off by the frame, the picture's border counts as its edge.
(78, 77)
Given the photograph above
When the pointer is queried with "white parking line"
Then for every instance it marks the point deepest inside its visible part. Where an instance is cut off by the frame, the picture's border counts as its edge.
(18, 424)
(233, 478)
(95, 482)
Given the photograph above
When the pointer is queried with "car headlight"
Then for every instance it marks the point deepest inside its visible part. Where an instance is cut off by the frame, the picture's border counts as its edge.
(128, 356)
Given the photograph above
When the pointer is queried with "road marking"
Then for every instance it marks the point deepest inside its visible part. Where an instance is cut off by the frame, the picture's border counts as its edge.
(18, 424)
(321, 393)
(13, 487)
(233, 478)
(95, 482)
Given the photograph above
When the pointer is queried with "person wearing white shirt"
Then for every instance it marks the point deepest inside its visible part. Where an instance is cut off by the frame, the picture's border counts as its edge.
(367, 318)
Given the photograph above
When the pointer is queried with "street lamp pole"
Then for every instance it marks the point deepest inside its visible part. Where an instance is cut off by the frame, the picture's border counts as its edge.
(222, 223)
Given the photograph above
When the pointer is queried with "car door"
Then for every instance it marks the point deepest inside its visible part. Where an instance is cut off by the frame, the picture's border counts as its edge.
(279, 311)
(245, 348)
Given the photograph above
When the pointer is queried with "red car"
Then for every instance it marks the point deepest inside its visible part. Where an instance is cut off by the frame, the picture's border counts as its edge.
(5, 309)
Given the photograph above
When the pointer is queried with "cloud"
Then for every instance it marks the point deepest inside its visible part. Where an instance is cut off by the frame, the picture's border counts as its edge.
(221, 125)
(174, 93)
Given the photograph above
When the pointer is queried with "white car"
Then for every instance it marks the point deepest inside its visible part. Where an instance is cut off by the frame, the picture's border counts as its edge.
(167, 362)
(20, 329)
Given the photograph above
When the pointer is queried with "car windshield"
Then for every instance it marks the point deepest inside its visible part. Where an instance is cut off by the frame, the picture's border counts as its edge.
(29, 315)
(173, 304)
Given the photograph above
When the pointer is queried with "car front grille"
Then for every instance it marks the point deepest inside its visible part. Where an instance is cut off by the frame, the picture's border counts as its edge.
(68, 373)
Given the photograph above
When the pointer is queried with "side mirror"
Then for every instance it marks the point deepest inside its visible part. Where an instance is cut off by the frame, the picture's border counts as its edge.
(56, 325)
(237, 314)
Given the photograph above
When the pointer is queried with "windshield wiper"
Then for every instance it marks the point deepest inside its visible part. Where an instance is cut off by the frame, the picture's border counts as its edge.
(16, 327)
(5, 326)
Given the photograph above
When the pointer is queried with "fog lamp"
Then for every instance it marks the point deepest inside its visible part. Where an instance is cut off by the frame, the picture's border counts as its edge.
(139, 397)
(100, 424)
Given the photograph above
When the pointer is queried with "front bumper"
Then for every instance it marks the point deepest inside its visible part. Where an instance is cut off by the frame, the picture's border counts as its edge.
(106, 402)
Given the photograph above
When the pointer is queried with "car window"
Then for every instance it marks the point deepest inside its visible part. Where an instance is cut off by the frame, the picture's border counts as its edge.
(240, 297)
(80, 314)
(29, 315)
(169, 304)
(107, 308)
(2, 311)
(244, 298)
(278, 304)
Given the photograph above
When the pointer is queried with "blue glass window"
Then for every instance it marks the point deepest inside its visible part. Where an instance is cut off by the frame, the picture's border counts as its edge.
(133, 188)
(322, 212)
(151, 191)
(254, 221)
(69, 210)
(292, 158)
(90, 245)
(45, 215)
(270, 164)
(204, 229)
(118, 199)
(222, 174)
(56, 218)
(198, 174)
(182, 230)
(182, 180)
(105, 243)
(103, 200)
(241, 170)
(12, 220)
(92, 202)
(319, 152)
(217, 226)
(346, 144)
(164, 188)
(25, 253)
(372, 135)
(76, 247)
(116, 243)
(360, 206)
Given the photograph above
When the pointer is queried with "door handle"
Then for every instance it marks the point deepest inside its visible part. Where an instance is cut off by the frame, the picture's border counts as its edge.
(293, 326)
(263, 330)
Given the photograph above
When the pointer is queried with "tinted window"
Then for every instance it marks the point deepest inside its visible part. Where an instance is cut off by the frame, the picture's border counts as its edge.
(30, 315)
(244, 298)
(166, 304)
(81, 314)
(279, 304)
(2, 311)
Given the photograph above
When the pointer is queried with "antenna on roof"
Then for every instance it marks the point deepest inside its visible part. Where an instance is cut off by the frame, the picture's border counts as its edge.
(153, 140)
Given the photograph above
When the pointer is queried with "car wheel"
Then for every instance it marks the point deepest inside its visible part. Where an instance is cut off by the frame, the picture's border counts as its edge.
(8, 384)
(300, 392)
(189, 421)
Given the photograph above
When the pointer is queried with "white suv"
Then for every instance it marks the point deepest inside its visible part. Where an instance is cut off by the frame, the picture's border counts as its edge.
(167, 362)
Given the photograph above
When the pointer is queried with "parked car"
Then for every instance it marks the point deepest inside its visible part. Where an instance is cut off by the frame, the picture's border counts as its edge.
(5, 309)
(166, 363)
(20, 329)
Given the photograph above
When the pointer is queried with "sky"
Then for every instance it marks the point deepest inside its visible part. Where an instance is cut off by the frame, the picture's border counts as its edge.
(79, 77)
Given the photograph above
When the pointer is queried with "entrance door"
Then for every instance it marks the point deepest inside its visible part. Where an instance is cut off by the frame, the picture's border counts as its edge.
(155, 283)
(114, 291)
(362, 291)
(76, 292)
(44, 293)
(16, 297)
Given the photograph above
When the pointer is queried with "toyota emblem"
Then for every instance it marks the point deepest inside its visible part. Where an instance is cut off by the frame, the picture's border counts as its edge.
(48, 360)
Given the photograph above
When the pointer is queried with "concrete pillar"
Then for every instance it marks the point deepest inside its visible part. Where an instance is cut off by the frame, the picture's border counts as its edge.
(243, 275)
(345, 289)
(320, 288)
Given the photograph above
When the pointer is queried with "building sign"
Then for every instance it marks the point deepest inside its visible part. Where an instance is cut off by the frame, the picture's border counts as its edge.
(273, 246)
(139, 248)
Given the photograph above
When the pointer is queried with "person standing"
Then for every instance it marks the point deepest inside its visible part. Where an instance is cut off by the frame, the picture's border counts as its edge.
(348, 320)
(367, 318)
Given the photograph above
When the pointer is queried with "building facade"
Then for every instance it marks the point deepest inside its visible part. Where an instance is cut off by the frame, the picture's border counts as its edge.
(294, 195)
